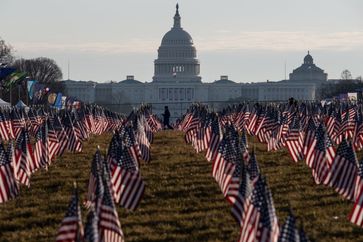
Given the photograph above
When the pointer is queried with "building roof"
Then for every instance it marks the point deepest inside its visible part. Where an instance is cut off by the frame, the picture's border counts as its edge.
(223, 81)
(130, 81)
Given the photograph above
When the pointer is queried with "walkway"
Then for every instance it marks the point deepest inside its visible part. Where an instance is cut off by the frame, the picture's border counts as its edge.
(182, 201)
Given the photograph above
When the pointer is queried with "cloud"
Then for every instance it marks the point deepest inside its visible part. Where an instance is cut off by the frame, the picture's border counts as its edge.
(283, 41)
(221, 40)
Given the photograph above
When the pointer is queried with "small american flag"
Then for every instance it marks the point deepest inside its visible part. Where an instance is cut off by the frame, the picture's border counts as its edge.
(343, 171)
(142, 140)
(223, 168)
(24, 158)
(252, 167)
(321, 155)
(126, 180)
(244, 191)
(309, 136)
(71, 228)
(110, 227)
(289, 232)
(294, 141)
(91, 228)
(356, 215)
(8, 186)
(213, 144)
(41, 151)
(259, 220)
(244, 146)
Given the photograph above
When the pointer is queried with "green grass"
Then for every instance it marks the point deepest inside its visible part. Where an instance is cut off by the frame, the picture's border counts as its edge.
(182, 202)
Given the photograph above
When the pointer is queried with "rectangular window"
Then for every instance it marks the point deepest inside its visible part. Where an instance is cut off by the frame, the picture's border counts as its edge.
(181, 93)
(170, 94)
(176, 94)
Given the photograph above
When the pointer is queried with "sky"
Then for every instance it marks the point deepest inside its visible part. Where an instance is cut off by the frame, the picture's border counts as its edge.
(250, 41)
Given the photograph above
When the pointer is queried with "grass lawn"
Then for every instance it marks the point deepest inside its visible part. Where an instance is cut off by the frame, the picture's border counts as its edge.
(182, 202)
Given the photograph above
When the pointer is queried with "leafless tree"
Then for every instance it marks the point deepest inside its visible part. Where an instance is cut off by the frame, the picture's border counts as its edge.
(346, 75)
(42, 69)
(6, 53)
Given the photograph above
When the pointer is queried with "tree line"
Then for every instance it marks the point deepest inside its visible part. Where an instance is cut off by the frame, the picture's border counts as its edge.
(42, 69)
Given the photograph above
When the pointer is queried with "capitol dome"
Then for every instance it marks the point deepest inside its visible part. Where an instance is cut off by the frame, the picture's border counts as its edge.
(308, 59)
(177, 36)
(177, 57)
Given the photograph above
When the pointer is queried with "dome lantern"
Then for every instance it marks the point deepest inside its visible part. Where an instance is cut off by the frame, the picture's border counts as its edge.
(308, 59)
(177, 18)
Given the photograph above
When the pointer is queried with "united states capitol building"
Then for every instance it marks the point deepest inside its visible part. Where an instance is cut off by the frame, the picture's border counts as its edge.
(177, 82)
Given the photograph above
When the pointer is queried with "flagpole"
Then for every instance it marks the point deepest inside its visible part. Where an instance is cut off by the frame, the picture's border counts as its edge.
(10, 93)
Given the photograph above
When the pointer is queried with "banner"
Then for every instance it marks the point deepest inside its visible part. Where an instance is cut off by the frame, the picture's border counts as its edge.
(5, 71)
(58, 101)
(30, 87)
(14, 78)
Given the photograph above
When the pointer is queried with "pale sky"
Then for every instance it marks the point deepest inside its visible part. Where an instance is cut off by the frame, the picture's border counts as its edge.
(250, 41)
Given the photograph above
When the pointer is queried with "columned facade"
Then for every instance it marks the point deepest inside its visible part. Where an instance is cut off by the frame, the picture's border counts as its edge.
(177, 82)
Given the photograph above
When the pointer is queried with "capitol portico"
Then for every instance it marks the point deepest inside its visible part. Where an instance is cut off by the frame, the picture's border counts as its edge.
(177, 82)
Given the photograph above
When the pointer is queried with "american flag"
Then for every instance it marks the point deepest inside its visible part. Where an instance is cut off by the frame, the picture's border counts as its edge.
(259, 219)
(128, 139)
(126, 180)
(330, 121)
(244, 191)
(343, 171)
(273, 143)
(214, 139)
(336, 127)
(309, 136)
(200, 141)
(9, 124)
(74, 143)
(346, 128)
(18, 121)
(91, 227)
(110, 227)
(223, 166)
(41, 151)
(54, 144)
(294, 141)
(71, 228)
(96, 168)
(8, 186)
(358, 132)
(321, 155)
(4, 132)
(234, 156)
(252, 167)
(356, 215)
(24, 158)
(244, 146)
(61, 135)
(142, 140)
(289, 232)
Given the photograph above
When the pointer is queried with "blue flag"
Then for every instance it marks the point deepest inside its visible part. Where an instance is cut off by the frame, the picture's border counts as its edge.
(30, 85)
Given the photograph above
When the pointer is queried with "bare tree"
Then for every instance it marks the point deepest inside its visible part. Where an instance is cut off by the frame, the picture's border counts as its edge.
(42, 69)
(346, 75)
(6, 53)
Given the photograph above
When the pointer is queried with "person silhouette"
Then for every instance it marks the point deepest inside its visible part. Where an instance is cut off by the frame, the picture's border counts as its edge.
(166, 116)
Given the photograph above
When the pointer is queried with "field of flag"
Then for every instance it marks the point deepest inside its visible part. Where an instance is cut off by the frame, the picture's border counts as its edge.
(264, 172)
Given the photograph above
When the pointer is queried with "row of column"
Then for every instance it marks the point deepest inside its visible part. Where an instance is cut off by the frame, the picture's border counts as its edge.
(168, 68)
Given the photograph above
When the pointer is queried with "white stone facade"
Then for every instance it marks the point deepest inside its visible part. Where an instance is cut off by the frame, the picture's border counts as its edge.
(177, 83)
